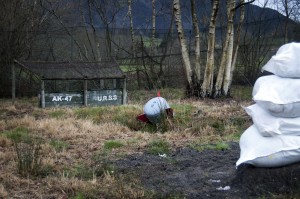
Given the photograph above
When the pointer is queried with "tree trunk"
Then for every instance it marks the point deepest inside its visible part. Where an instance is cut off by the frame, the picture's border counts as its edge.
(133, 44)
(237, 41)
(182, 40)
(97, 54)
(197, 43)
(230, 33)
(209, 68)
(153, 23)
(131, 29)
(287, 18)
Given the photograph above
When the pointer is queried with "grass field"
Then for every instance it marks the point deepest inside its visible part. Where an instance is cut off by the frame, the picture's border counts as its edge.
(67, 152)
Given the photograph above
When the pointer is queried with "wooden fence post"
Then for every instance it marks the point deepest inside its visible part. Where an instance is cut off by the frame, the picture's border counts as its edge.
(13, 83)
(85, 92)
(43, 94)
(124, 92)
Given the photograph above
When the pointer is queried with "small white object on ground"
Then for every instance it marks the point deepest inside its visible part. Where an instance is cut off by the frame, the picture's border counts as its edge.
(226, 188)
(162, 155)
(211, 180)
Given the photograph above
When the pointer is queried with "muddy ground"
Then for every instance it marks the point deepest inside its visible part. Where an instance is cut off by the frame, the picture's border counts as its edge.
(187, 173)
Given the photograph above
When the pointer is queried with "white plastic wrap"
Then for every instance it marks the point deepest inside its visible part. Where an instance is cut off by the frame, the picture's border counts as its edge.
(279, 96)
(273, 151)
(154, 107)
(286, 62)
(269, 125)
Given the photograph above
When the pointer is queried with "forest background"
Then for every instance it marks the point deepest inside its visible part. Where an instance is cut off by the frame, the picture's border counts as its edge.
(145, 39)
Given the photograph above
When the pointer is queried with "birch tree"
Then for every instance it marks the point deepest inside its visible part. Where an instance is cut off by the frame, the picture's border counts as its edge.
(238, 38)
(153, 23)
(229, 54)
(206, 89)
(223, 77)
(183, 44)
(197, 43)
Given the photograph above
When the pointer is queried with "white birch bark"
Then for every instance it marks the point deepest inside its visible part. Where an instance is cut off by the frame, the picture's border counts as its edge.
(153, 23)
(230, 30)
(182, 40)
(237, 41)
(197, 42)
(209, 68)
(225, 53)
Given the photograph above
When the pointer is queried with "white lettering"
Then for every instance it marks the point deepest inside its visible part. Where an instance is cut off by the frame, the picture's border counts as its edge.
(61, 98)
(68, 98)
(57, 98)
(106, 98)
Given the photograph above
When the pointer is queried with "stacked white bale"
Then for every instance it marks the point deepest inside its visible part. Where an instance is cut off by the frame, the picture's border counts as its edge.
(274, 138)
(279, 96)
(272, 151)
(286, 62)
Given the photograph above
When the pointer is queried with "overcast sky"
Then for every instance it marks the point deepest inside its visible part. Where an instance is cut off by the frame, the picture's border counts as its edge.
(261, 3)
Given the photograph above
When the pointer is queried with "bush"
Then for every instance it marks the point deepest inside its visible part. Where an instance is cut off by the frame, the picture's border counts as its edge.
(28, 151)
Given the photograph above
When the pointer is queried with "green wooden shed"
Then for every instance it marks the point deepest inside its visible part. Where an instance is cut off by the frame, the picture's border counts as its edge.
(79, 83)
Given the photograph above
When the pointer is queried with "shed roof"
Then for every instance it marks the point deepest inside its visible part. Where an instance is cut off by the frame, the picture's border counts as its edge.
(74, 70)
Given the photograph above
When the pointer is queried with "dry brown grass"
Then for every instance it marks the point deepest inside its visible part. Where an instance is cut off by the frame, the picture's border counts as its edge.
(72, 171)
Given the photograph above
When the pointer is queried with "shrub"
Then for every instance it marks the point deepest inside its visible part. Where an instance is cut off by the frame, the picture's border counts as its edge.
(28, 151)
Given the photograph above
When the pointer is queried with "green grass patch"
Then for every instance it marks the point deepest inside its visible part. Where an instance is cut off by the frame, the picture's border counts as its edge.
(157, 147)
(59, 113)
(94, 113)
(103, 162)
(182, 115)
(59, 145)
(112, 144)
(79, 195)
(220, 145)
(79, 171)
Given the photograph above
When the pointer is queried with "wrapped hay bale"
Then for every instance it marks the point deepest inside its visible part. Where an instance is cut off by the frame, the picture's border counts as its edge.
(261, 151)
(279, 96)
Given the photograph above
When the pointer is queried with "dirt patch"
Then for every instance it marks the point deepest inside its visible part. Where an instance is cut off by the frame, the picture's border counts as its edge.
(188, 173)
